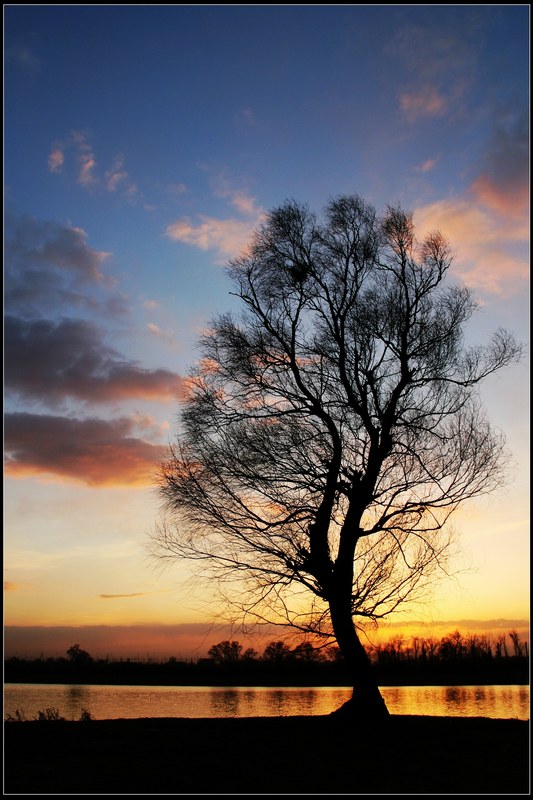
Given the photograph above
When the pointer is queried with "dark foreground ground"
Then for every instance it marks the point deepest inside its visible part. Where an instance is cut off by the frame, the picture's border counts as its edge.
(279, 755)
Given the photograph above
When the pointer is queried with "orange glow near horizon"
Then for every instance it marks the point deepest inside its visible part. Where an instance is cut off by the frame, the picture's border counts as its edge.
(193, 640)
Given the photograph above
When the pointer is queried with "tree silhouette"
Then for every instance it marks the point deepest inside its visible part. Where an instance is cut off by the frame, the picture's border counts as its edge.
(332, 429)
(277, 652)
(225, 652)
(78, 656)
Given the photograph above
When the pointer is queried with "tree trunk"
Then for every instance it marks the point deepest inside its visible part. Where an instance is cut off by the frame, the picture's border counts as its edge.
(366, 701)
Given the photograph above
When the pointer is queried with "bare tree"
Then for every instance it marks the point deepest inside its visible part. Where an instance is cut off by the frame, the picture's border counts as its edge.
(333, 428)
(514, 636)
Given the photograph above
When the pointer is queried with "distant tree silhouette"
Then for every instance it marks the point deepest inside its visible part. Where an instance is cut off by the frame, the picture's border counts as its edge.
(250, 654)
(307, 653)
(332, 430)
(225, 652)
(517, 645)
(78, 656)
(277, 652)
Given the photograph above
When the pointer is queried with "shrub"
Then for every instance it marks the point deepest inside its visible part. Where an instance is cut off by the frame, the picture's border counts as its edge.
(49, 715)
(18, 716)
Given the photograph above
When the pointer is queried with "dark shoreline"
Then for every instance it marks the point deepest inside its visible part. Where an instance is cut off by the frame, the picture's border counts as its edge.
(429, 681)
(268, 755)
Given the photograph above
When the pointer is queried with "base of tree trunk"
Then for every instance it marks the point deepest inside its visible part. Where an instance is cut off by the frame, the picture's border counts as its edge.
(369, 707)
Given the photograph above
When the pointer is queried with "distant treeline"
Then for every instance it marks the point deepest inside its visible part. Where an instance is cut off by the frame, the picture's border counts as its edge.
(455, 658)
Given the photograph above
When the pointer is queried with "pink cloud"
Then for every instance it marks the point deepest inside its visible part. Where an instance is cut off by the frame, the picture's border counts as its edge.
(510, 199)
(115, 175)
(502, 184)
(426, 102)
(489, 226)
(226, 236)
(244, 203)
(113, 179)
(426, 166)
(56, 160)
(482, 241)
(167, 336)
(86, 159)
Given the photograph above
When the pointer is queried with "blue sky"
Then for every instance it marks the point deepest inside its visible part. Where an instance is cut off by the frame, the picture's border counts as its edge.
(142, 146)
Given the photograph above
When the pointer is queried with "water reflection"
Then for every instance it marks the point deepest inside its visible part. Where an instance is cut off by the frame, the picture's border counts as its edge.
(276, 701)
(77, 698)
(455, 699)
(110, 702)
(225, 703)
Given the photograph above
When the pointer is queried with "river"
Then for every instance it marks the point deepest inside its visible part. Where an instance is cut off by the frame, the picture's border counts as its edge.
(114, 702)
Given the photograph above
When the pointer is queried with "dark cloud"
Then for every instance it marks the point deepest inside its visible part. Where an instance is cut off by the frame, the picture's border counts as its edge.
(41, 243)
(54, 359)
(504, 179)
(50, 266)
(94, 451)
(50, 361)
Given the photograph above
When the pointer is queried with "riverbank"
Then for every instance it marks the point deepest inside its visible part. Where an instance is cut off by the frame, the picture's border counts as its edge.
(268, 755)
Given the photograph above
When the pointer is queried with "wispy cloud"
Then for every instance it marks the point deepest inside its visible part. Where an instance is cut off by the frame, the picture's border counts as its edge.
(114, 179)
(176, 188)
(427, 166)
(424, 102)
(22, 55)
(93, 451)
(435, 61)
(121, 596)
(86, 159)
(56, 159)
(227, 237)
(116, 175)
(246, 118)
(167, 336)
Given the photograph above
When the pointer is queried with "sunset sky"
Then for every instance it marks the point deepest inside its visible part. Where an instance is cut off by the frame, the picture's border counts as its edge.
(142, 146)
